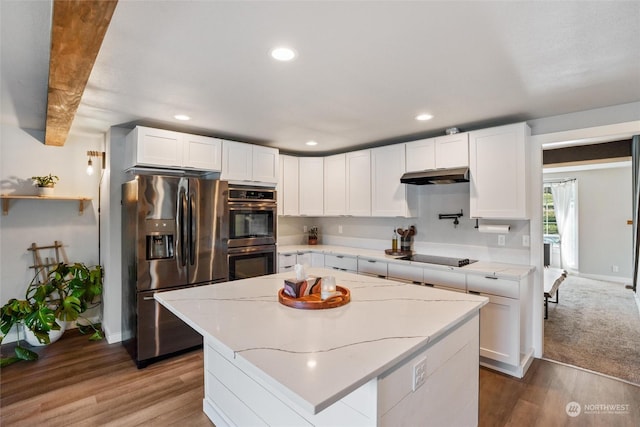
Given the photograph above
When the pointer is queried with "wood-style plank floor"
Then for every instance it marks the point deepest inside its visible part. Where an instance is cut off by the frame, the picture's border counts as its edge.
(82, 383)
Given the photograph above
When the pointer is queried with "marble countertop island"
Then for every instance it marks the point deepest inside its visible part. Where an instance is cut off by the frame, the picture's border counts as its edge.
(313, 358)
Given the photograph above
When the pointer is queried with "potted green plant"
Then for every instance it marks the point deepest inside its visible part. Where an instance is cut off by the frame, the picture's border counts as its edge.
(45, 184)
(70, 290)
(313, 235)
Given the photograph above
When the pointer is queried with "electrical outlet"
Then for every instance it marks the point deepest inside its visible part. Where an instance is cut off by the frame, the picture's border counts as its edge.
(525, 241)
(419, 373)
(615, 268)
(339, 229)
(304, 228)
(502, 240)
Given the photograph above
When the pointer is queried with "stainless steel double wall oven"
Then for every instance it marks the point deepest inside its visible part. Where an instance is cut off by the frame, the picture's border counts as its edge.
(252, 213)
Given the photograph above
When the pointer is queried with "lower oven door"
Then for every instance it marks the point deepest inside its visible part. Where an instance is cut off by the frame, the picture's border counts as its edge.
(251, 261)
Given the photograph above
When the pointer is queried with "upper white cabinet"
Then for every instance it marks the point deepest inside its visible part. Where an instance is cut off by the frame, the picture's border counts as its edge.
(335, 189)
(450, 151)
(358, 172)
(247, 162)
(311, 190)
(163, 148)
(388, 195)
(499, 172)
(288, 186)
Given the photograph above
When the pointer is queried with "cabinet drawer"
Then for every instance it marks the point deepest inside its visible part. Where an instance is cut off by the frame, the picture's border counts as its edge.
(373, 267)
(286, 260)
(405, 272)
(447, 279)
(494, 286)
(341, 262)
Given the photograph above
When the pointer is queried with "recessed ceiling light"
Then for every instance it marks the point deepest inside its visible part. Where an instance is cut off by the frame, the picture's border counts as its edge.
(283, 54)
(311, 143)
(181, 117)
(423, 117)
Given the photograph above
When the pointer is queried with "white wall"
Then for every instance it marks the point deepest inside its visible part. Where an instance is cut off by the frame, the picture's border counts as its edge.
(604, 207)
(22, 155)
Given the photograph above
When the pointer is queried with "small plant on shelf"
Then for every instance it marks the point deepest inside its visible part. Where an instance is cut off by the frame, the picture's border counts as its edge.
(45, 181)
(45, 184)
(313, 235)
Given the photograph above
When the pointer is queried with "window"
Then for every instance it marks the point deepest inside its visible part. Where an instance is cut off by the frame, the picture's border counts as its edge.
(549, 224)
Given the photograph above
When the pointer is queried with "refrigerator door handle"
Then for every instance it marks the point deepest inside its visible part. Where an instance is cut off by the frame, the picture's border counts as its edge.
(184, 228)
(193, 229)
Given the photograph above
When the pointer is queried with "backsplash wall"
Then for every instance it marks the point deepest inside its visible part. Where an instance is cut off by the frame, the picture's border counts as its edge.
(434, 236)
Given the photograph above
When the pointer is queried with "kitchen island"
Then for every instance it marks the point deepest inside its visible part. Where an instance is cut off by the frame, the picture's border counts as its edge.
(397, 354)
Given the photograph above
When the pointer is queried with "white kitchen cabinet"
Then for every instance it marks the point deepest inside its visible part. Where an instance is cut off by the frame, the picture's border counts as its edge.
(358, 171)
(150, 147)
(450, 151)
(445, 279)
(311, 182)
(249, 163)
(500, 329)
(499, 171)
(388, 194)
(421, 155)
(406, 273)
(286, 262)
(335, 187)
(201, 152)
(341, 262)
(372, 267)
(288, 185)
(317, 259)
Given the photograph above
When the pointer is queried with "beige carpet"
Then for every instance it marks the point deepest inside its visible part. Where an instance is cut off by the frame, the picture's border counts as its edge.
(595, 326)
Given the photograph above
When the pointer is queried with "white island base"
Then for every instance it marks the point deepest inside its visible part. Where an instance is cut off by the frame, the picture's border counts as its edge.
(448, 397)
(397, 354)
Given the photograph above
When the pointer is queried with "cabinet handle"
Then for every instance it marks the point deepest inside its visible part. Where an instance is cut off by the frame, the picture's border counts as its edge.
(371, 261)
(287, 255)
(491, 277)
(335, 268)
(474, 292)
(382, 276)
(340, 256)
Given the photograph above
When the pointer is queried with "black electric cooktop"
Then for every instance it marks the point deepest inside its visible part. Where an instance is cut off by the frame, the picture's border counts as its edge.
(440, 260)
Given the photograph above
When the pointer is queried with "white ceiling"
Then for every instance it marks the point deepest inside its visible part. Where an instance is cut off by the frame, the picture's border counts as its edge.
(364, 69)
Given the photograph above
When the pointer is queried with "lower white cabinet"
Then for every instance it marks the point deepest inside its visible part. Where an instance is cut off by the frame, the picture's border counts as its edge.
(500, 329)
(372, 267)
(406, 273)
(445, 279)
(500, 332)
(341, 262)
(286, 262)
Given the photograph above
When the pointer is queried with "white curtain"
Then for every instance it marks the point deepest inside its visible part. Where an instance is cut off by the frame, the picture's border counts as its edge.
(564, 195)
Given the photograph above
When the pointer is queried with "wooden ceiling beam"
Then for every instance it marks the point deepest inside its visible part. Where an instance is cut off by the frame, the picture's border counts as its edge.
(78, 29)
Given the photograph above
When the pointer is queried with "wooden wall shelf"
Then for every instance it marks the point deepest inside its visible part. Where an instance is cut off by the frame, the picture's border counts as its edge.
(6, 198)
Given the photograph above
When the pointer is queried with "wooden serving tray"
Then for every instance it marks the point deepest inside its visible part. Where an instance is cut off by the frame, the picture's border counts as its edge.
(313, 301)
(396, 253)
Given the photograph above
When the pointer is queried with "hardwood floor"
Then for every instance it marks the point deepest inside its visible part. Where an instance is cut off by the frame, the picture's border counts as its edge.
(82, 383)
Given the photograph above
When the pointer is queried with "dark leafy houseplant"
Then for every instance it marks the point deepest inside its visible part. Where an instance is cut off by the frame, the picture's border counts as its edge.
(69, 291)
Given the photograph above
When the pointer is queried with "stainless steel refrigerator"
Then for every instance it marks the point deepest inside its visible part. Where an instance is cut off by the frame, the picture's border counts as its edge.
(174, 235)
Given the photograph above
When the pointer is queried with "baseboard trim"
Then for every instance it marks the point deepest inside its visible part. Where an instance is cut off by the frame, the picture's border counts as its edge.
(615, 279)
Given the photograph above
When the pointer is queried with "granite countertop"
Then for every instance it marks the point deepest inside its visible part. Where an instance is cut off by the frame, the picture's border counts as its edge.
(502, 270)
(316, 357)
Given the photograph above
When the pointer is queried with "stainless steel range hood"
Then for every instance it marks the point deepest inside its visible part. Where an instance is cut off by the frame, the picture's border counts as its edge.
(436, 176)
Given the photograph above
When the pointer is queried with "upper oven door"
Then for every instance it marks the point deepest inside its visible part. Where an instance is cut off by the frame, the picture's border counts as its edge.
(252, 223)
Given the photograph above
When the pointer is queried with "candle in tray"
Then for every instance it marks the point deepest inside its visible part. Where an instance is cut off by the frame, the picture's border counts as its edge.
(328, 287)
